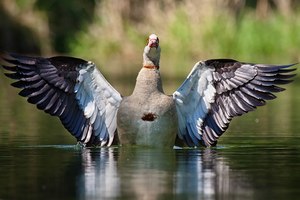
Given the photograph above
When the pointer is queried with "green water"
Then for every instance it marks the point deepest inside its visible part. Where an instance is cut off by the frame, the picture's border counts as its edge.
(257, 158)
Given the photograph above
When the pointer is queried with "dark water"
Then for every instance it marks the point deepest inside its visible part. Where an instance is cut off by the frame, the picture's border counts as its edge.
(258, 158)
(229, 172)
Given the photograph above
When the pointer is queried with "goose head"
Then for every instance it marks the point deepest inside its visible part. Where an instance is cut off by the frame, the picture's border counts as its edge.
(151, 53)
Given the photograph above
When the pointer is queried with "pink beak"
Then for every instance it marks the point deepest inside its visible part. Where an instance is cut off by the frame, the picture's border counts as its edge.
(153, 43)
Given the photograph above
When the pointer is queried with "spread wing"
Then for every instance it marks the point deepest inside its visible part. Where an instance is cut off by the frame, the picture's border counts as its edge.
(217, 90)
(71, 89)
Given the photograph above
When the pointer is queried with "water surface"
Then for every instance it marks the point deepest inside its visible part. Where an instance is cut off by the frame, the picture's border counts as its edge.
(257, 158)
(234, 172)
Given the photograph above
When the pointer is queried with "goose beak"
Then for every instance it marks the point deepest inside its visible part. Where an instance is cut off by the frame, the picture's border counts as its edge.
(153, 41)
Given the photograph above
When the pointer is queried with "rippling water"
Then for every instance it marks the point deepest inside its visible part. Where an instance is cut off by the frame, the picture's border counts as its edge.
(258, 158)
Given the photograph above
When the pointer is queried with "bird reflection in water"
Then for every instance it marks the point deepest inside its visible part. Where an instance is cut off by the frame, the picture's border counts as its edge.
(152, 174)
(99, 176)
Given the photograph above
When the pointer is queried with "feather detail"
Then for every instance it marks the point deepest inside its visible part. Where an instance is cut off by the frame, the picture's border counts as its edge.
(225, 89)
(71, 89)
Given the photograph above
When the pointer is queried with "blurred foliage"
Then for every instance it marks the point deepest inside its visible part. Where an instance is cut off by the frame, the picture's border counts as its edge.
(112, 33)
(65, 19)
(15, 35)
(272, 40)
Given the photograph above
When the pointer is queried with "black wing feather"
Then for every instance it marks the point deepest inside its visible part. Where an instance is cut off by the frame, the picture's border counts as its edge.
(49, 83)
(251, 87)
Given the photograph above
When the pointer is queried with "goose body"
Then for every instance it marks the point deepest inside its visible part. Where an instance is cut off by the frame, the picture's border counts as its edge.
(147, 117)
(198, 112)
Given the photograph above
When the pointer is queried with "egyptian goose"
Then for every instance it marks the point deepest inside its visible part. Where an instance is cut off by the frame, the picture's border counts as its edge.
(198, 112)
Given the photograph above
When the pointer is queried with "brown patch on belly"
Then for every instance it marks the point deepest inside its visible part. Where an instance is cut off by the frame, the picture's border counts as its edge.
(149, 116)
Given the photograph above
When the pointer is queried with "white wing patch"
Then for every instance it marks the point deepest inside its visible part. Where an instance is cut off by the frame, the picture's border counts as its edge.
(99, 102)
(193, 101)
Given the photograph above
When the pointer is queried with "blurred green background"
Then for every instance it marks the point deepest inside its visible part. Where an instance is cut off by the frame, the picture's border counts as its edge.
(112, 33)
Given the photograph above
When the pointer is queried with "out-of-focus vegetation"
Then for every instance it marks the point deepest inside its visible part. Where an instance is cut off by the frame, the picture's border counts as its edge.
(112, 33)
